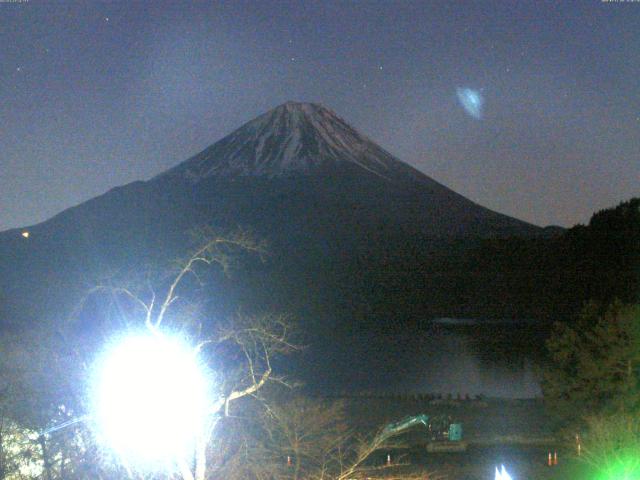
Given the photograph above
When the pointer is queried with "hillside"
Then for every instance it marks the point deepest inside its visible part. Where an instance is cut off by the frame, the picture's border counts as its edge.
(334, 207)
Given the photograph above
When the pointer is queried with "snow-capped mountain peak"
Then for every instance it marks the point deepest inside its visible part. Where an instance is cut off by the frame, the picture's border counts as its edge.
(293, 138)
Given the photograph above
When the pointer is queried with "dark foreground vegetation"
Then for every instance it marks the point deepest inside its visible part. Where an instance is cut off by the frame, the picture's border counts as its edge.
(262, 428)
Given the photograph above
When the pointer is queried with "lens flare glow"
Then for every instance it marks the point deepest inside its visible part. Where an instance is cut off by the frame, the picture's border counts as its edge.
(502, 474)
(150, 400)
(472, 101)
(625, 467)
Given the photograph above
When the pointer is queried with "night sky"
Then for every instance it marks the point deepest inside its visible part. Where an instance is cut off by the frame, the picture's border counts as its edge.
(95, 95)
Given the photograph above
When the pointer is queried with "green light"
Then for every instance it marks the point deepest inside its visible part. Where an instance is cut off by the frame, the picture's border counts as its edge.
(623, 468)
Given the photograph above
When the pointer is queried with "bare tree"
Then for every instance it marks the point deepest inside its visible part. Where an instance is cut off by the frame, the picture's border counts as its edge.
(275, 439)
(251, 340)
(304, 438)
(36, 381)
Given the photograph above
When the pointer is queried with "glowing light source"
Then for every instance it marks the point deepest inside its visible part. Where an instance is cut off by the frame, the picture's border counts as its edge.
(150, 400)
(25, 234)
(472, 101)
(624, 467)
(502, 474)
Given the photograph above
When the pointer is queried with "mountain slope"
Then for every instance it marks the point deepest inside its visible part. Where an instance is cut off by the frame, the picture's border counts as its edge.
(298, 175)
(292, 138)
(358, 239)
(300, 146)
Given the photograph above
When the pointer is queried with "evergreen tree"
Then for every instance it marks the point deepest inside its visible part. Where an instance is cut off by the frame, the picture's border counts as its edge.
(594, 364)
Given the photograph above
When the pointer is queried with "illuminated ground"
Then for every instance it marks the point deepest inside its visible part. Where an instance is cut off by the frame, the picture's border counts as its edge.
(480, 463)
(516, 433)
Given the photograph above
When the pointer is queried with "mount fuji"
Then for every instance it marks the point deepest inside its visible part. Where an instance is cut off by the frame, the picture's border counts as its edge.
(294, 138)
(357, 238)
(300, 148)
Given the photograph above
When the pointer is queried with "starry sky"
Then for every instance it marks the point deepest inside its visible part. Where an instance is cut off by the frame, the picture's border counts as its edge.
(95, 95)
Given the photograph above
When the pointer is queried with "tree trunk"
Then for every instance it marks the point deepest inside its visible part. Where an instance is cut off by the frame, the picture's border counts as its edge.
(201, 459)
(3, 467)
(45, 458)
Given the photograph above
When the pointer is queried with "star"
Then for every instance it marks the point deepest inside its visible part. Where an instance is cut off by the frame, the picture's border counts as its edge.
(293, 59)
(380, 67)
(18, 69)
(106, 19)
